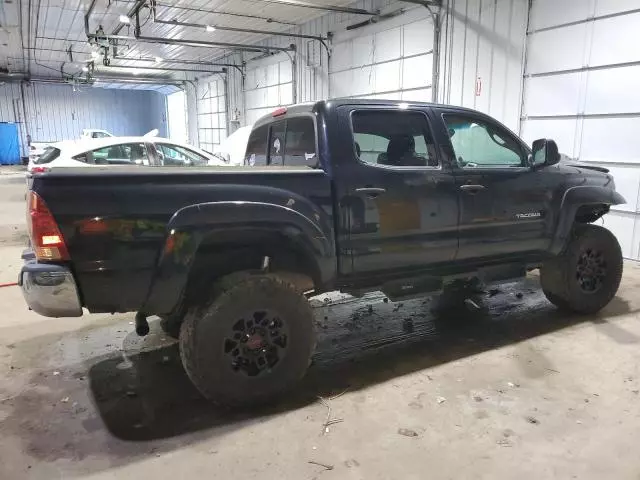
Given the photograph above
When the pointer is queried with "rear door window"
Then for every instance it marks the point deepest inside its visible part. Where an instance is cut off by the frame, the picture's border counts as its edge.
(393, 138)
(123, 154)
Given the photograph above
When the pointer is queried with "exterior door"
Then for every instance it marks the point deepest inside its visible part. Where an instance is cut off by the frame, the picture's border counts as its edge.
(504, 203)
(398, 201)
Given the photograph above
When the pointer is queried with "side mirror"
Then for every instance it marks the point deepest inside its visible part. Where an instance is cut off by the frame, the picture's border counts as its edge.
(545, 152)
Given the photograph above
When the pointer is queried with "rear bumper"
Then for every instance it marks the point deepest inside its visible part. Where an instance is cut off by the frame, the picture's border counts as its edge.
(49, 290)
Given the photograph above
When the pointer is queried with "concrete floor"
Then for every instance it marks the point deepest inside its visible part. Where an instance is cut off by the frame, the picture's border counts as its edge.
(520, 392)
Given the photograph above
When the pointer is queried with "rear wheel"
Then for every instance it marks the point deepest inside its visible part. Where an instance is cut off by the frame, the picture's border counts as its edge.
(587, 275)
(254, 341)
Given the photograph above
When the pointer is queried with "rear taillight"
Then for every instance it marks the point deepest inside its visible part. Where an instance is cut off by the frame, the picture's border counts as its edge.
(46, 238)
(39, 169)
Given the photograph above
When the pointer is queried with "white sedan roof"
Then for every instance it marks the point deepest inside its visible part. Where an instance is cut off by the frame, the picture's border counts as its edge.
(72, 148)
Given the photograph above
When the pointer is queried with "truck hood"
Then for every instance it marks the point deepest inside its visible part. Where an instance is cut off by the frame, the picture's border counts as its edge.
(571, 162)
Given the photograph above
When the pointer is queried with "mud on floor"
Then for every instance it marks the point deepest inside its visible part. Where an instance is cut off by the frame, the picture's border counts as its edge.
(103, 392)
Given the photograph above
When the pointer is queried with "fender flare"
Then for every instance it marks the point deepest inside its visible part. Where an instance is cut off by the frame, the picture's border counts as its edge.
(190, 226)
(572, 200)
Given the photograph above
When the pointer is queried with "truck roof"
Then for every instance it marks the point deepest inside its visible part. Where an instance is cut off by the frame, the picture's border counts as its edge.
(327, 105)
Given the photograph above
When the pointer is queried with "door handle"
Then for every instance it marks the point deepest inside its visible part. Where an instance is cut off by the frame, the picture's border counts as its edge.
(471, 188)
(371, 191)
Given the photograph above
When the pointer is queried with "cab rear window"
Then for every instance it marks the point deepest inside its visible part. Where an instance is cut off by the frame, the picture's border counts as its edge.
(290, 142)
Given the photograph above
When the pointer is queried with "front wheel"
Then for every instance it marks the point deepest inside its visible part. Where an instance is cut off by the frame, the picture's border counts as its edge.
(254, 341)
(587, 275)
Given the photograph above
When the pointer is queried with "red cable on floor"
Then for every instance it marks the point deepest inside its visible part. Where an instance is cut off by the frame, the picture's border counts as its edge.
(11, 284)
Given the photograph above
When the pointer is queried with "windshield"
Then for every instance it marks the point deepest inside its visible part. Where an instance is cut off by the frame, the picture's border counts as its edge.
(175, 155)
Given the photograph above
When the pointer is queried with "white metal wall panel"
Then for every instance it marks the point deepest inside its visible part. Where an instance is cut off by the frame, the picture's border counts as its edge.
(212, 113)
(268, 85)
(581, 88)
(392, 59)
(482, 56)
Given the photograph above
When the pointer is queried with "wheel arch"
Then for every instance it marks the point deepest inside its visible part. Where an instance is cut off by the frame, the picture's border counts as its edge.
(581, 204)
(207, 241)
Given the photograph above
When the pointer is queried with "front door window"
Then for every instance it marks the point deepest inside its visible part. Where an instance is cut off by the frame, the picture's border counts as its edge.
(482, 144)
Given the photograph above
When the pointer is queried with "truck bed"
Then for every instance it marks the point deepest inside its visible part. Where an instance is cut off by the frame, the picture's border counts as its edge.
(114, 219)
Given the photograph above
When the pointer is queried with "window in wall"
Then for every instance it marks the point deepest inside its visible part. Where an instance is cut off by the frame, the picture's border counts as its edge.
(123, 154)
(175, 155)
(479, 143)
(212, 116)
(397, 139)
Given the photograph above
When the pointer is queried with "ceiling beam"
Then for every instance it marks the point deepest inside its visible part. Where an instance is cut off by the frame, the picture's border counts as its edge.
(147, 80)
(218, 12)
(200, 43)
(326, 8)
(241, 30)
(161, 69)
(131, 13)
(317, 38)
(193, 43)
(182, 62)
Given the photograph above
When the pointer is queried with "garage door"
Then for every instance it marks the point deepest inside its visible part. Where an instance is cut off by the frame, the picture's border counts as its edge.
(268, 85)
(581, 88)
(212, 117)
(391, 59)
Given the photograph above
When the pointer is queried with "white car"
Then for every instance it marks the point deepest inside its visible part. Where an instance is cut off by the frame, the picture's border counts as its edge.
(95, 133)
(145, 150)
(233, 147)
(36, 149)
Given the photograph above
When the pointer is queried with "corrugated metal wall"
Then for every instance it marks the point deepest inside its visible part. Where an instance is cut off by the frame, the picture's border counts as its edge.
(57, 112)
(268, 85)
(582, 83)
(392, 59)
(482, 43)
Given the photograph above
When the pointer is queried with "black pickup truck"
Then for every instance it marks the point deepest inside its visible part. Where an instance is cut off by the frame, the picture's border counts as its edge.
(350, 195)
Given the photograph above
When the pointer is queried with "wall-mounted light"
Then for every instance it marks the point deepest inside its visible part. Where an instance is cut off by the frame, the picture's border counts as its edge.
(210, 28)
(124, 19)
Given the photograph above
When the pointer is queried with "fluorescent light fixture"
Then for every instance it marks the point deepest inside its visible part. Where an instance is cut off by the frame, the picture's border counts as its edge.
(124, 19)
(210, 28)
(85, 69)
(158, 59)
